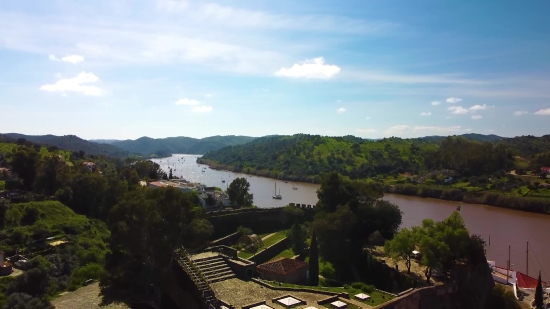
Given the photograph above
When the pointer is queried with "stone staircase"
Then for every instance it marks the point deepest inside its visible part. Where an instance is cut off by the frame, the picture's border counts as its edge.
(214, 268)
(199, 279)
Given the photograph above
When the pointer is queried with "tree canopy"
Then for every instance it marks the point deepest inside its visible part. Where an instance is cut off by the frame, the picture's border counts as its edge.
(239, 194)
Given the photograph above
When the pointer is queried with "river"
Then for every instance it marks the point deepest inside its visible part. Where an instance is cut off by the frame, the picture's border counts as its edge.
(503, 226)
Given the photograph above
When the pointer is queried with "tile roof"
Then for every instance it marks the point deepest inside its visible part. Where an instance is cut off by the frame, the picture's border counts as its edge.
(526, 282)
(282, 266)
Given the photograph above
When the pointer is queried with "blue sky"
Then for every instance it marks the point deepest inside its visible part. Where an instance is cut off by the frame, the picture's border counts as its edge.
(158, 68)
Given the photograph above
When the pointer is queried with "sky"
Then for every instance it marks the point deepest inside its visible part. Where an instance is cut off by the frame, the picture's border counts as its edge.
(121, 69)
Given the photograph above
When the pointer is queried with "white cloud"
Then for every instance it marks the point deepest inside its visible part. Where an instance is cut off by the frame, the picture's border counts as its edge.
(478, 107)
(476, 117)
(208, 95)
(398, 129)
(75, 84)
(468, 130)
(425, 114)
(434, 103)
(458, 110)
(202, 109)
(311, 68)
(438, 129)
(519, 113)
(172, 6)
(453, 100)
(74, 59)
(545, 111)
(341, 110)
(367, 131)
(187, 101)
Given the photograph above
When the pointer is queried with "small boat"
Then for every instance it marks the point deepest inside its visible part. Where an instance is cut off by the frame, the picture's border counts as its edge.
(294, 187)
(223, 181)
(286, 181)
(275, 195)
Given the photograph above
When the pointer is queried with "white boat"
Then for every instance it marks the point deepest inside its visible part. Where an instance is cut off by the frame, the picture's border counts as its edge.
(275, 195)
(294, 187)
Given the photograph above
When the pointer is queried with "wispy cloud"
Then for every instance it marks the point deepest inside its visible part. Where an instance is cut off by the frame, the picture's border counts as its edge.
(311, 68)
(476, 117)
(172, 6)
(458, 110)
(208, 95)
(367, 131)
(478, 107)
(75, 84)
(202, 109)
(74, 59)
(341, 110)
(435, 129)
(519, 113)
(425, 114)
(434, 103)
(453, 100)
(187, 101)
(396, 130)
(403, 78)
(545, 112)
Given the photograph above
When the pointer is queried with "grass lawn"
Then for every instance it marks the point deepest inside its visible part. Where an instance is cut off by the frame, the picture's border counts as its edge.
(376, 299)
(286, 254)
(266, 243)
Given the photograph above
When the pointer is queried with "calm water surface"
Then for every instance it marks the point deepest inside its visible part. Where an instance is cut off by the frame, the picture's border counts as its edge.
(503, 226)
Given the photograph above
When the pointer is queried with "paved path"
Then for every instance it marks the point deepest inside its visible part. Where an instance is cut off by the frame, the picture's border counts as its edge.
(267, 236)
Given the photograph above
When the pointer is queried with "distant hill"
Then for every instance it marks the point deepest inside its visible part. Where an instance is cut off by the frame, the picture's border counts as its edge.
(472, 136)
(72, 143)
(181, 144)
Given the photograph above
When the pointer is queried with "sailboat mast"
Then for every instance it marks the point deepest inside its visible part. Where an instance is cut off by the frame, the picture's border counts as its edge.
(508, 269)
(527, 260)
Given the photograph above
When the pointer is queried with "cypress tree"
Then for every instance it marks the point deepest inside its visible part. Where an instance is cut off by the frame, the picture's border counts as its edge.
(313, 261)
(539, 302)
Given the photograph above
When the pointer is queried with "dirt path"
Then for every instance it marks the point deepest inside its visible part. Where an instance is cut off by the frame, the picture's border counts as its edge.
(87, 297)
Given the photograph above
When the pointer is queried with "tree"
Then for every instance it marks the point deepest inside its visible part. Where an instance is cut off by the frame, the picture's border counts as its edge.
(539, 300)
(146, 226)
(24, 163)
(297, 236)
(333, 230)
(313, 261)
(401, 247)
(170, 174)
(239, 194)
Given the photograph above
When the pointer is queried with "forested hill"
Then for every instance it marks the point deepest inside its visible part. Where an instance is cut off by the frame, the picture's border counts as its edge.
(181, 144)
(72, 143)
(470, 136)
(304, 157)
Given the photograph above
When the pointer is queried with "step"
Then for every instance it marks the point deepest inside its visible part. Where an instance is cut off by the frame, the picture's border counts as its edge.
(211, 262)
(205, 260)
(231, 276)
(219, 275)
(213, 269)
(207, 266)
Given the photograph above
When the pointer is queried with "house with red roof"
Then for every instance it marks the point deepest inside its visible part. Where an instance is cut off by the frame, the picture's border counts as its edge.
(284, 270)
(545, 169)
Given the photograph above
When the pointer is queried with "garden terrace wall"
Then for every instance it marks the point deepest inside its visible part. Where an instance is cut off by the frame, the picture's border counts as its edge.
(271, 251)
(259, 220)
(227, 240)
(294, 289)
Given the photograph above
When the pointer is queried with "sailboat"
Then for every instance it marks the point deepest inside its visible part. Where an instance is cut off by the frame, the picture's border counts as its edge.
(294, 187)
(223, 180)
(275, 195)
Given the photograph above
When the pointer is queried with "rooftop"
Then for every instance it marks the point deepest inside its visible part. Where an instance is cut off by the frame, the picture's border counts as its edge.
(282, 266)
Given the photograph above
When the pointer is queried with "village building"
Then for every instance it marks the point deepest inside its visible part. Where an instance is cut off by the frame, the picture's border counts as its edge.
(284, 270)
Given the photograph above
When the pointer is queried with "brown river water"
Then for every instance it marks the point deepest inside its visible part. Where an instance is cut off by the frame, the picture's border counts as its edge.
(503, 226)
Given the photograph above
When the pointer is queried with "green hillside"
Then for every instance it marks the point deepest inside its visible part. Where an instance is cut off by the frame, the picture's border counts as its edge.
(72, 143)
(181, 144)
(304, 157)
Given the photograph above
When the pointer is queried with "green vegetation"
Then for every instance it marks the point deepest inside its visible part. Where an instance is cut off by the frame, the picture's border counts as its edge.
(239, 194)
(539, 298)
(54, 268)
(442, 244)
(502, 298)
(70, 142)
(376, 299)
(276, 237)
(452, 168)
(313, 260)
(163, 147)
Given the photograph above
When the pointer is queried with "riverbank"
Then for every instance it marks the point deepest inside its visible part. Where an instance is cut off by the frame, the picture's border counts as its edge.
(492, 198)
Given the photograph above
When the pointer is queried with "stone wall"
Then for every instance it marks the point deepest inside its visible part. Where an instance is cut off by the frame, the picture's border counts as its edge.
(260, 220)
(271, 251)
(227, 240)
(436, 297)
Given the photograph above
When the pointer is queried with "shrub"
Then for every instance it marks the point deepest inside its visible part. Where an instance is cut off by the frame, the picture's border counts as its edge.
(244, 230)
(81, 274)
